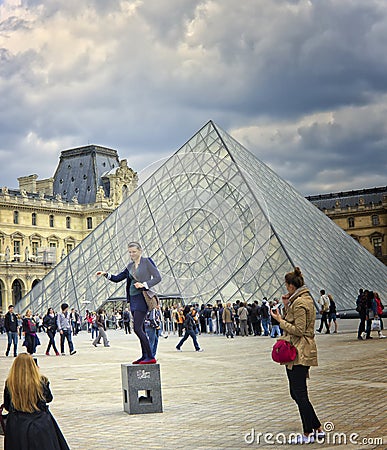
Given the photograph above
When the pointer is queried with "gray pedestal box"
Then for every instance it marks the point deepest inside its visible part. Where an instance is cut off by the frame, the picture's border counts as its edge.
(141, 386)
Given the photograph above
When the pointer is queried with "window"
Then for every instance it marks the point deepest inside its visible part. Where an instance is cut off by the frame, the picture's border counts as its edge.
(377, 244)
(16, 251)
(35, 246)
(89, 223)
(68, 222)
(351, 222)
(69, 248)
(375, 220)
(51, 220)
(16, 217)
(53, 244)
(33, 218)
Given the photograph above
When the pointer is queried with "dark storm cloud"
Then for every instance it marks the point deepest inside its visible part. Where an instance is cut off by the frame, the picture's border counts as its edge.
(301, 83)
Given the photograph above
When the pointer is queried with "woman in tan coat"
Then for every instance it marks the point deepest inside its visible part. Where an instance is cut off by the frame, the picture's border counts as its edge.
(298, 325)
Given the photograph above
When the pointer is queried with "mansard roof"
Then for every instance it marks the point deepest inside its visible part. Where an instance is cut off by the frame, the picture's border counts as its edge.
(79, 172)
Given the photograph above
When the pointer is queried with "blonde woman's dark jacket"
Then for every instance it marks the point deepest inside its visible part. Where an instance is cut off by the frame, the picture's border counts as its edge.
(298, 325)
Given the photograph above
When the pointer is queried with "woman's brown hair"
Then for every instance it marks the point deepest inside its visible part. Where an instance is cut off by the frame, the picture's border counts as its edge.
(295, 278)
(24, 383)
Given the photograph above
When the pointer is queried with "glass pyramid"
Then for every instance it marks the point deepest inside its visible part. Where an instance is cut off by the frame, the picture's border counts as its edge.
(220, 225)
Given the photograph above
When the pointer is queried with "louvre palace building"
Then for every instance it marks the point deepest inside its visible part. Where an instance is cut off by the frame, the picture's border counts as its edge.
(218, 222)
(44, 220)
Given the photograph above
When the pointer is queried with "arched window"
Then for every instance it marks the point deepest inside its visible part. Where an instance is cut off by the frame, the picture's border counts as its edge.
(51, 220)
(35, 282)
(17, 292)
(351, 222)
(68, 222)
(33, 218)
(16, 217)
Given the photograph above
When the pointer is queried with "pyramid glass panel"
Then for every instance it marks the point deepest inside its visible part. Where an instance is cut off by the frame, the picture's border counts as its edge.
(221, 226)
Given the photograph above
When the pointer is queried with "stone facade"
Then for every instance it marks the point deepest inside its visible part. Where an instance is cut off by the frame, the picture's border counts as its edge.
(362, 214)
(38, 228)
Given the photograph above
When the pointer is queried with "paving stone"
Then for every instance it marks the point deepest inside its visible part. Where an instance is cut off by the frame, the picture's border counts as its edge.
(212, 400)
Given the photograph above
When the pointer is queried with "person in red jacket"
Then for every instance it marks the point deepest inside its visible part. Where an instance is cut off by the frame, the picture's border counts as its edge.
(379, 312)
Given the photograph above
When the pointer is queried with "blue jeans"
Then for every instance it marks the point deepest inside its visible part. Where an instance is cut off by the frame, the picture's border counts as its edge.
(209, 323)
(66, 335)
(153, 336)
(265, 325)
(12, 337)
(187, 334)
(275, 331)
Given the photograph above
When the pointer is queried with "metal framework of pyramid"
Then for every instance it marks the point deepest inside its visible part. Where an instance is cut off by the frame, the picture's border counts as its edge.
(221, 226)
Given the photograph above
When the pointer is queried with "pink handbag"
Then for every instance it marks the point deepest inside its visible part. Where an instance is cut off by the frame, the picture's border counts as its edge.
(283, 352)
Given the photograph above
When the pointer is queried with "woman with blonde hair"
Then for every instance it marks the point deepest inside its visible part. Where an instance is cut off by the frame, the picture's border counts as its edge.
(30, 424)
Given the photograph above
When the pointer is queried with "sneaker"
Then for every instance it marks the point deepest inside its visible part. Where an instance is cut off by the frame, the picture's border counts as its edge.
(200, 350)
(179, 349)
(73, 352)
(360, 338)
(63, 354)
(302, 439)
(57, 354)
(47, 353)
(381, 336)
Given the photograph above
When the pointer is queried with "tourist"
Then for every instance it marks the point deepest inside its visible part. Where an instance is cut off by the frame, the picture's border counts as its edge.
(153, 327)
(379, 312)
(243, 313)
(31, 340)
(189, 326)
(298, 325)
(256, 318)
(11, 326)
(324, 310)
(50, 324)
(361, 308)
(332, 313)
(65, 330)
(100, 321)
(371, 311)
(265, 316)
(30, 423)
(126, 320)
(140, 274)
(275, 328)
(228, 320)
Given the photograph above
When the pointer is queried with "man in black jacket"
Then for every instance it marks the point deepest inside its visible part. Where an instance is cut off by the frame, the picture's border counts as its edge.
(189, 325)
(10, 325)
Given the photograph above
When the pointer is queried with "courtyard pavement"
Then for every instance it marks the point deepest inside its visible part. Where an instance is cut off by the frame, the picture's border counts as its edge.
(231, 396)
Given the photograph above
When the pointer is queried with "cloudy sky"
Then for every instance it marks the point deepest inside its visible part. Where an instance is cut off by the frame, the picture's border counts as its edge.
(302, 84)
